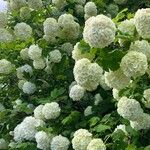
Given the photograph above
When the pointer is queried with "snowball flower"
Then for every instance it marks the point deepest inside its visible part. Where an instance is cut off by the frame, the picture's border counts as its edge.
(113, 9)
(76, 92)
(146, 95)
(90, 9)
(21, 83)
(129, 109)
(87, 74)
(51, 110)
(29, 88)
(142, 21)
(97, 99)
(141, 46)
(59, 3)
(23, 31)
(5, 36)
(99, 31)
(134, 64)
(115, 93)
(16, 4)
(96, 144)
(43, 140)
(39, 63)
(142, 123)
(3, 144)
(103, 83)
(116, 79)
(60, 143)
(121, 127)
(38, 112)
(55, 56)
(35, 4)
(35, 52)
(3, 19)
(88, 111)
(82, 138)
(67, 47)
(6, 67)
(79, 10)
(24, 54)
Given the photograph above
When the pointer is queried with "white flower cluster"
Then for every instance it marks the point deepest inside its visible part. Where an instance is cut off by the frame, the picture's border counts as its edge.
(24, 54)
(88, 111)
(83, 141)
(60, 143)
(115, 93)
(90, 10)
(99, 31)
(129, 109)
(26, 130)
(43, 140)
(5, 36)
(21, 83)
(142, 21)
(98, 98)
(79, 10)
(25, 13)
(47, 111)
(3, 19)
(39, 64)
(28, 87)
(35, 4)
(134, 64)
(121, 127)
(69, 29)
(76, 92)
(141, 46)
(67, 47)
(55, 56)
(146, 96)
(6, 67)
(51, 29)
(87, 74)
(16, 4)
(59, 3)
(103, 83)
(3, 144)
(116, 79)
(112, 9)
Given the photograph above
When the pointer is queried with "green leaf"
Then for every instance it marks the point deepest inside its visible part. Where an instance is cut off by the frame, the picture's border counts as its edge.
(57, 92)
(101, 128)
(131, 147)
(84, 47)
(93, 121)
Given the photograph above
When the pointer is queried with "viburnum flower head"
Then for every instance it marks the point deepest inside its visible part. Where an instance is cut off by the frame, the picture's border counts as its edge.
(99, 31)
(96, 144)
(142, 21)
(29, 88)
(51, 110)
(67, 47)
(90, 9)
(16, 4)
(82, 138)
(35, 52)
(121, 127)
(55, 56)
(88, 111)
(3, 144)
(5, 36)
(38, 112)
(146, 96)
(24, 54)
(87, 74)
(59, 3)
(76, 92)
(39, 63)
(129, 109)
(60, 143)
(134, 64)
(23, 31)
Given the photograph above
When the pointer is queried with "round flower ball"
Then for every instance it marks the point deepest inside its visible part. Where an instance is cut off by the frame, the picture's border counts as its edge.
(88, 111)
(39, 63)
(76, 92)
(51, 110)
(134, 64)
(38, 112)
(29, 88)
(24, 54)
(90, 9)
(67, 48)
(23, 31)
(96, 144)
(99, 31)
(142, 21)
(5, 36)
(55, 56)
(21, 83)
(34, 52)
(16, 4)
(60, 143)
(82, 138)
(129, 109)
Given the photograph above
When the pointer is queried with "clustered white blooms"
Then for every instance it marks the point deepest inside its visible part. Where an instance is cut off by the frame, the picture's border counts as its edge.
(43, 140)
(24, 54)
(79, 10)
(115, 93)
(39, 64)
(51, 29)
(76, 92)
(69, 29)
(134, 64)
(6, 67)
(116, 79)
(96, 144)
(23, 31)
(28, 87)
(112, 9)
(24, 69)
(99, 31)
(59, 3)
(121, 127)
(98, 98)
(25, 13)
(60, 143)
(35, 4)
(87, 74)
(3, 144)
(142, 20)
(55, 56)
(88, 111)
(67, 47)
(6, 36)
(26, 130)
(38, 112)
(81, 139)
(103, 83)
(81, 2)
(146, 96)
(141, 46)
(129, 109)
(3, 19)
(16, 4)
(90, 10)
(51, 110)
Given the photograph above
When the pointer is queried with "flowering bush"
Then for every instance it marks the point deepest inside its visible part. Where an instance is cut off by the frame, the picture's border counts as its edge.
(74, 75)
